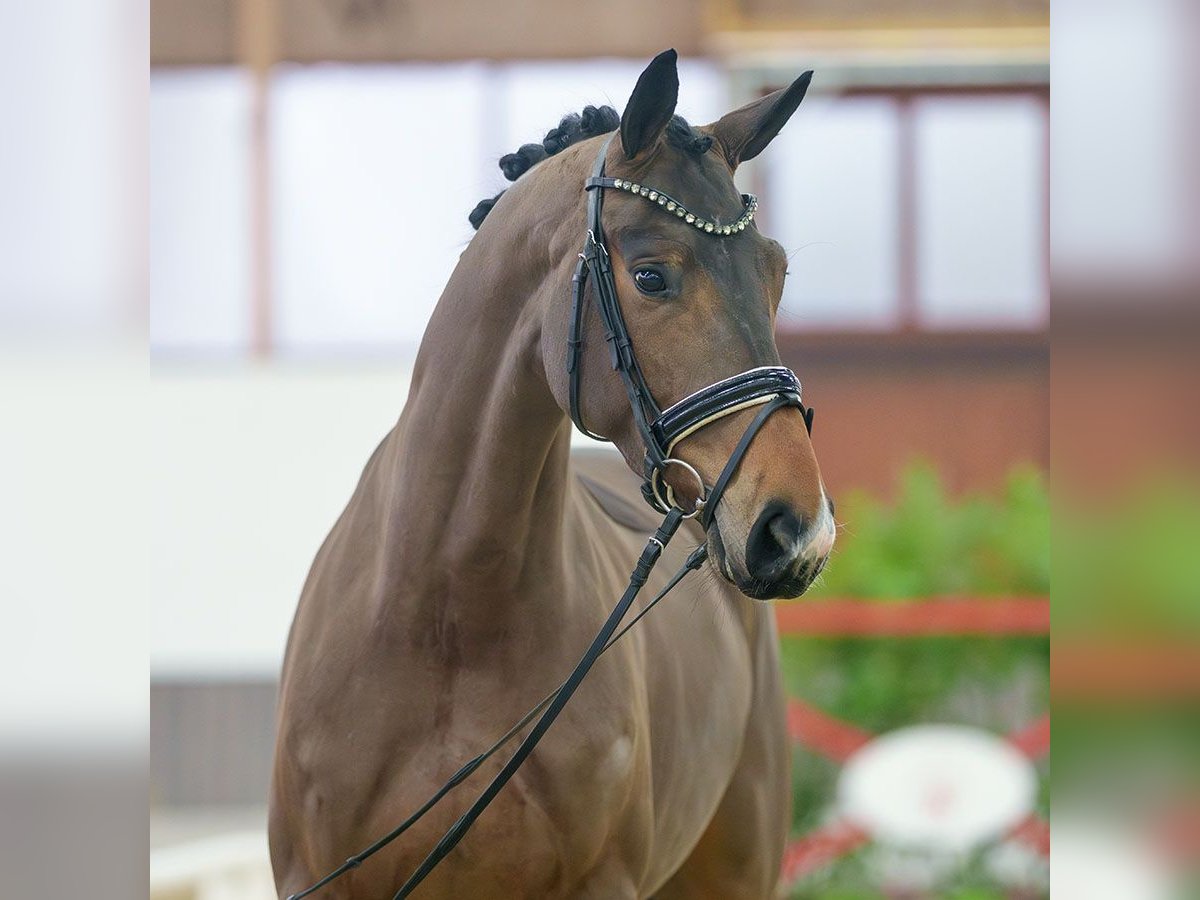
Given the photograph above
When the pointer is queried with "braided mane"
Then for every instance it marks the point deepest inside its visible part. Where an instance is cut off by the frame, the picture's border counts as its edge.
(576, 127)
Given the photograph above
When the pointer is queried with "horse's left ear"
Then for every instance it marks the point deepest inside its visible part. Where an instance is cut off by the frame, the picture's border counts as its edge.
(652, 104)
(745, 132)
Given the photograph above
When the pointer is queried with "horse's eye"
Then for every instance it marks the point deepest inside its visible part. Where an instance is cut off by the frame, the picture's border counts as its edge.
(650, 281)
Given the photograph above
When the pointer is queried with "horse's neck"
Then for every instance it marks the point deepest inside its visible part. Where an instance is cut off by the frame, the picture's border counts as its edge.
(477, 478)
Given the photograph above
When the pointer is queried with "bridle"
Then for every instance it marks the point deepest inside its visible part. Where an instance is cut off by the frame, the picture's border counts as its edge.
(662, 429)
(770, 388)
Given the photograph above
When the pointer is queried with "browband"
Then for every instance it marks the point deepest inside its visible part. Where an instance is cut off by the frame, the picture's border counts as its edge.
(673, 206)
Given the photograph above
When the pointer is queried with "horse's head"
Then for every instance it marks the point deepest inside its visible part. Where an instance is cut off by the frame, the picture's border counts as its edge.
(700, 307)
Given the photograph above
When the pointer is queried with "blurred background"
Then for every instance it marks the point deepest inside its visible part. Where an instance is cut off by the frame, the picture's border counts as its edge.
(312, 164)
(253, 203)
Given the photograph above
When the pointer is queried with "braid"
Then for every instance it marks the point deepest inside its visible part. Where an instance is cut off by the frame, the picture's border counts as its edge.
(576, 127)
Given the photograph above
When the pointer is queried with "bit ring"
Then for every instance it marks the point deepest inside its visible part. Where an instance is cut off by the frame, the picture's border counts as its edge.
(668, 501)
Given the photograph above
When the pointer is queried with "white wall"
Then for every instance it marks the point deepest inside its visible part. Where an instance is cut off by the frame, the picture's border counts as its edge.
(249, 465)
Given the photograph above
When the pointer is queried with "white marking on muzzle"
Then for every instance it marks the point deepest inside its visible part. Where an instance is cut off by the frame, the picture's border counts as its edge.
(821, 536)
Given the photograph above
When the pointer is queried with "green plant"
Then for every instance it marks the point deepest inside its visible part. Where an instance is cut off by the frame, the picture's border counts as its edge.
(1129, 566)
(927, 543)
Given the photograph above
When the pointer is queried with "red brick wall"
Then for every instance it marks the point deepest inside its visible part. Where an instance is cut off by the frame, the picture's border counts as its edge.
(972, 404)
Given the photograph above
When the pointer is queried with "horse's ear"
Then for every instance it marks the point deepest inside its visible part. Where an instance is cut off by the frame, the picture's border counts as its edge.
(745, 132)
(651, 105)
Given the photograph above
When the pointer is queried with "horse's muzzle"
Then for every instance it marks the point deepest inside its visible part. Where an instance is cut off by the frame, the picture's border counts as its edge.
(785, 552)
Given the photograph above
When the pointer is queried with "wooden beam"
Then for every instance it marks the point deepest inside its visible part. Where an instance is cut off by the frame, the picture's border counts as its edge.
(258, 49)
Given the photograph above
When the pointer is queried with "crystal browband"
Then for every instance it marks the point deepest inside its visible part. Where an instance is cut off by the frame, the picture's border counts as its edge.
(671, 205)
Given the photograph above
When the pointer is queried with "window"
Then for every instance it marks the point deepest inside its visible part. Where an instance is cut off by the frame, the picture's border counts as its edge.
(833, 191)
(200, 275)
(371, 173)
(911, 209)
(371, 185)
(980, 201)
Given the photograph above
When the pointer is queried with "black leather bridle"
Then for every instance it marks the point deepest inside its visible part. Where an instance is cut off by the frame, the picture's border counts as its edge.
(662, 429)
(770, 388)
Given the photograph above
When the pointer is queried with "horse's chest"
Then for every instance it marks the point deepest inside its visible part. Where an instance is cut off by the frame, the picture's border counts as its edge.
(655, 733)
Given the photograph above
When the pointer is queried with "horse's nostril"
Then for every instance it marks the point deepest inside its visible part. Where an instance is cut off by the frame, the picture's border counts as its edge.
(774, 542)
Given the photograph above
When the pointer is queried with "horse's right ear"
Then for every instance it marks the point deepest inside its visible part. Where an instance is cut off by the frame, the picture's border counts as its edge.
(745, 133)
(651, 105)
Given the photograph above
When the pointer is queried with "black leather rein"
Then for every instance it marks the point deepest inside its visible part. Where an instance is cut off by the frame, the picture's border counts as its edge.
(768, 388)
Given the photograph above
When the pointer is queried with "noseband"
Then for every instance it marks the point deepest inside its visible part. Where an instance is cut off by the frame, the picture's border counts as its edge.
(772, 387)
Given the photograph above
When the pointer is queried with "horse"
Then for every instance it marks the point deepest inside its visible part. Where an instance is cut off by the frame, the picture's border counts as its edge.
(479, 553)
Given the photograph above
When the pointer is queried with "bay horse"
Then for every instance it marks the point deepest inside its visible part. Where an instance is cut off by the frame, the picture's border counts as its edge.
(479, 554)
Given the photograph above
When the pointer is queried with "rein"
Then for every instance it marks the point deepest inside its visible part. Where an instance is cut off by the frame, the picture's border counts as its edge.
(770, 388)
